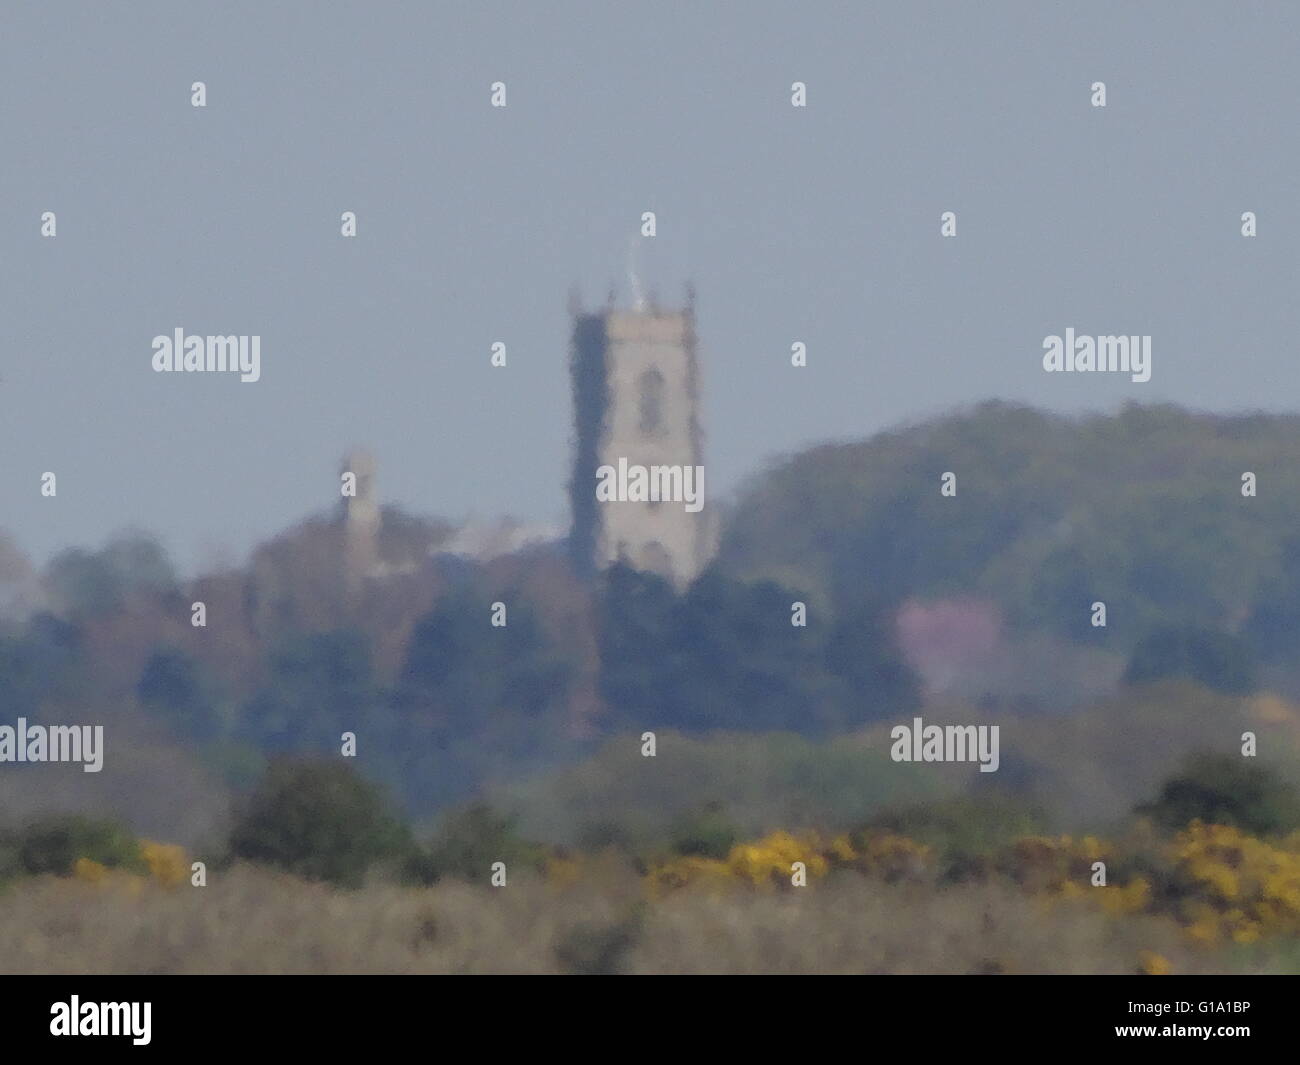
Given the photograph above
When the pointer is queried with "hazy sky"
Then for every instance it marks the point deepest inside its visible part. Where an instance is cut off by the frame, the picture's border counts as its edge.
(817, 224)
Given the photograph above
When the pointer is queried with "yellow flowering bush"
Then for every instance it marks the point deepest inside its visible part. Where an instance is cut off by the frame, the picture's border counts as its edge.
(1058, 865)
(764, 863)
(885, 855)
(768, 862)
(90, 871)
(1135, 896)
(1228, 884)
(168, 864)
(668, 876)
(1217, 882)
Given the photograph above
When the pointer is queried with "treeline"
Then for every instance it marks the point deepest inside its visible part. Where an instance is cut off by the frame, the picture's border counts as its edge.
(509, 668)
(1145, 510)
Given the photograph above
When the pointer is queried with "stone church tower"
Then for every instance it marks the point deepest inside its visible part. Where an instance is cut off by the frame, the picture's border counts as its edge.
(636, 394)
(360, 522)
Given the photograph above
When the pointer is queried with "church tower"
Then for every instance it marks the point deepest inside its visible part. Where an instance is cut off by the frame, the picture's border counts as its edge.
(636, 394)
(360, 522)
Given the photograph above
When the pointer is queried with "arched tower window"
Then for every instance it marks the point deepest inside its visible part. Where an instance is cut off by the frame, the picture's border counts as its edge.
(650, 402)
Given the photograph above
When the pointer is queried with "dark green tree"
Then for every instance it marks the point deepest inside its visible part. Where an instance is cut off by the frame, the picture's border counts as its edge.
(173, 685)
(53, 845)
(1217, 660)
(319, 820)
(321, 685)
(464, 677)
(724, 655)
(470, 839)
(40, 661)
(1221, 789)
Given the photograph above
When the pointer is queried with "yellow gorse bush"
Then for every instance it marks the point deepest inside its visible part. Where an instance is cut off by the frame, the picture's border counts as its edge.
(90, 871)
(1060, 865)
(1217, 882)
(1132, 897)
(765, 863)
(769, 862)
(168, 863)
(710, 873)
(771, 859)
(1231, 885)
(885, 855)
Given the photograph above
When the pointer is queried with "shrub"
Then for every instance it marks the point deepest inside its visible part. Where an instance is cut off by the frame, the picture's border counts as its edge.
(705, 833)
(1226, 790)
(319, 820)
(962, 828)
(1227, 884)
(168, 864)
(472, 839)
(606, 834)
(56, 844)
(763, 863)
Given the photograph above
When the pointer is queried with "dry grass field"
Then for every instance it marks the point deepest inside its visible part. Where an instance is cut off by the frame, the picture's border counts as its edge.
(249, 920)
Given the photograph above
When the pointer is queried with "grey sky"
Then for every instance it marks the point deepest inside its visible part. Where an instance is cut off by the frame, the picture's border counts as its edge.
(819, 225)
